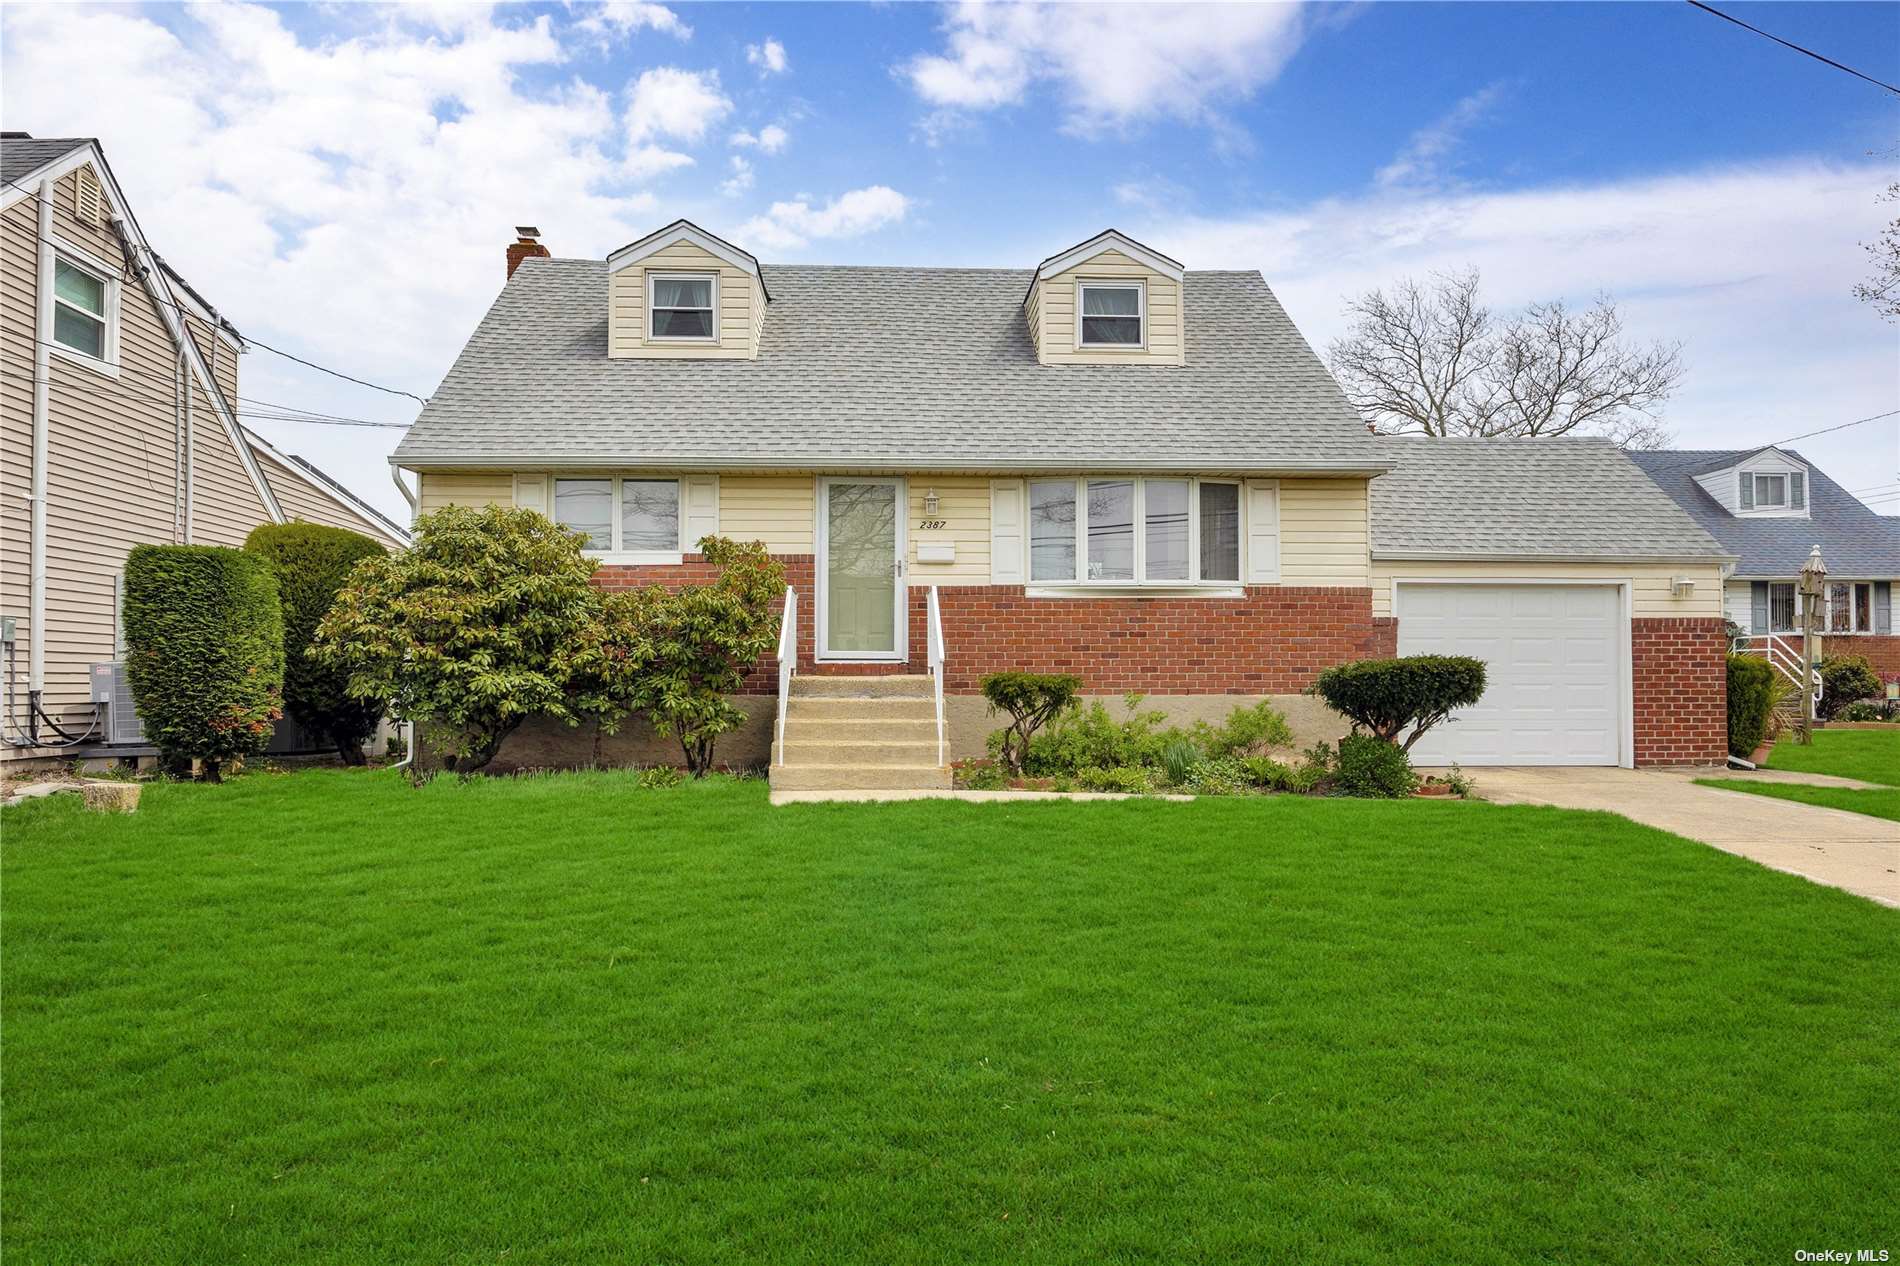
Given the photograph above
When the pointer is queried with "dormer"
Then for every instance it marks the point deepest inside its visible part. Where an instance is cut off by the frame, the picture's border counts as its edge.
(1107, 301)
(683, 294)
(1767, 484)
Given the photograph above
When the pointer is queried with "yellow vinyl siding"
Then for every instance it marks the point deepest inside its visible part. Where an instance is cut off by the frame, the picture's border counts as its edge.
(1052, 313)
(1324, 532)
(474, 488)
(741, 308)
(1650, 583)
(776, 509)
(963, 506)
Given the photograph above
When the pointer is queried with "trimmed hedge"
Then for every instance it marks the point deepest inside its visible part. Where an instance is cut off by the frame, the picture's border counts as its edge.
(1031, 700)
(311, 563)
(1751, 697)
(1374, 767)
(204, 642)
(1385, 696)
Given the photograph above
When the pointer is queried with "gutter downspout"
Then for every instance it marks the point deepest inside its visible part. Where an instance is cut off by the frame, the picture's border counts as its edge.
(190, 458)
(179, 474)
(395, 473)
(42, 403)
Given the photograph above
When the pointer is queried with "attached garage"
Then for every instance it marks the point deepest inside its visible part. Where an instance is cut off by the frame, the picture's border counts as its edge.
(1557, 666)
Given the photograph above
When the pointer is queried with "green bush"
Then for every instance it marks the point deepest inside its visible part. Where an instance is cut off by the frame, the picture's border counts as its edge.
(1218, 776)
(1385, 697)
(1866, 711)
(204, 640)
(1845, 680)
(1247, 731)
(1032, 700)
(1374, 767)
(1751, 697)
(1179, 758)
(464, 632)
(311, 562)
(656, 777)
(1089, 738)
(1132, 779)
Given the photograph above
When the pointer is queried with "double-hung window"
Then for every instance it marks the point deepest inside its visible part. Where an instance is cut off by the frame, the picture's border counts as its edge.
(1850, 606)
(1111, 314)
(82, 310)
(1771, 491)
(1126, 530)
(683, 307)
(634, 515)
(1780, 607)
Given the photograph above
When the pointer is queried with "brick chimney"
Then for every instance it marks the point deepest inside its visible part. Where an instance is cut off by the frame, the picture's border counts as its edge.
(527, 243)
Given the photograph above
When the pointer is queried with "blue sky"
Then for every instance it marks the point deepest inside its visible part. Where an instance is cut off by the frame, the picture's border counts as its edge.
(341, 178)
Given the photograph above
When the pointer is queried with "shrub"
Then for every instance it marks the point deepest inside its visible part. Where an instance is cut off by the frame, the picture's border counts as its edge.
(1751, 696)
(1866, 711)
(1383, 697)
(1374, 767)
(983, 776)
(1031, 700)
(1218, 776)
(1089, 738)
(1132, 779)
(311, 562)
(659, 777)
(1845, 679)
(463, 631)
(1247, 731)
(1179, 758)
(678, 655)
(204, 653)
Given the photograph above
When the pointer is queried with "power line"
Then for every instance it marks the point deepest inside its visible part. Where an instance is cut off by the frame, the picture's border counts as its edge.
(1808, 52)
(1842, 427)
(264, 415)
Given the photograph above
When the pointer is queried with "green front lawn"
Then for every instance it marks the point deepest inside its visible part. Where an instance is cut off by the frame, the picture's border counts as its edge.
(323, 1017)
(1878, 804)
(1869, 755)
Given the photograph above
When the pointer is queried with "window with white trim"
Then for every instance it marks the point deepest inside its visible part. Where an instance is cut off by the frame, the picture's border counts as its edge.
(1771, 491)
(82, 309)
(616, 515)
(1133, 531)
(683, 307)
(1850, 607)
(1781, 608)
(1111, 314)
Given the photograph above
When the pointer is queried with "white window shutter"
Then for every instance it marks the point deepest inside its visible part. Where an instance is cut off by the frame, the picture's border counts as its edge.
(701, 494)
(1006, 531)
(1263, 532)
(531, 493)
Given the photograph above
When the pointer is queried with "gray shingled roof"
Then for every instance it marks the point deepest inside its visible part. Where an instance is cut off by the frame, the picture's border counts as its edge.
(1525, 499)
(1855, 542)
(22, 155)
(908, 368)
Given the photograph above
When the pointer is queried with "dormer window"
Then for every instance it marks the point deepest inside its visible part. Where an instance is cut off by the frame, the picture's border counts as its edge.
(1113, 314)
(682, 308)
(1774, 490)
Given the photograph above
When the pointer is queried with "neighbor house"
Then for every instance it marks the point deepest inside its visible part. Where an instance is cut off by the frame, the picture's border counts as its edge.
(1771, 507)
(1105, 464)
(118, 426)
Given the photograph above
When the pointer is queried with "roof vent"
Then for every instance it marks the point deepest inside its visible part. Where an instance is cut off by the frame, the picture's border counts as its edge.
(526, 245)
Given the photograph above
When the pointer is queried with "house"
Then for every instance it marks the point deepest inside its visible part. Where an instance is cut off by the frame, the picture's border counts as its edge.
(1105, 464)
(119, 425)
(1771, 507)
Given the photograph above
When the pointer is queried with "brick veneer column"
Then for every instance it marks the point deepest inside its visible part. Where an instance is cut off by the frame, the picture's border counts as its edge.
(1680, 671)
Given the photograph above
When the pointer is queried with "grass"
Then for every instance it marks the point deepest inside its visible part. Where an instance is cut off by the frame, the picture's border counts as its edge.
(1869, 755)
(323, 1017)
(1876, 804)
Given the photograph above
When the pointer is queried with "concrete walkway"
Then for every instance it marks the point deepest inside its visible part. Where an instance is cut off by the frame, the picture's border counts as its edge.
(1852, 851)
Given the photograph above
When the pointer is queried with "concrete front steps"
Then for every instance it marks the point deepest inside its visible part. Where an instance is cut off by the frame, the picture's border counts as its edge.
(859, 734)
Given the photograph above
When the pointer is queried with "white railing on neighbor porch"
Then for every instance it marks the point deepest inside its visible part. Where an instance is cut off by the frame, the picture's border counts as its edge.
(1783, 654)
(933, 637)
(787, 666)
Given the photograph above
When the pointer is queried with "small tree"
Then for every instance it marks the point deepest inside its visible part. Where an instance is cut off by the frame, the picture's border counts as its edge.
(1031, 700)
(1385, 697)
(464, 632)
(311, 562)
(1845, 679)
(204, 652)
(677, 655)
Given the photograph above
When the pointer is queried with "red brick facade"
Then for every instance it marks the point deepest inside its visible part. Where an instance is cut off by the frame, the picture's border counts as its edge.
(1882, 652)
(1680, 673)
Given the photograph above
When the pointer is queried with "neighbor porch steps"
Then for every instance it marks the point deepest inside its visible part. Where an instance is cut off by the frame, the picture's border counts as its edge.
(859, 734)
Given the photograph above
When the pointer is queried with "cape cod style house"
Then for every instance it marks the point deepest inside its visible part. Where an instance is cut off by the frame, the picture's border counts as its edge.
(1106, 464)
(119, 425)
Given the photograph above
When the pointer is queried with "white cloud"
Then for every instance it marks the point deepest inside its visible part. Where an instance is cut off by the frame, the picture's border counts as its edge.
(1751, 266)
(769, 57)
(788, 225)
(769, 139)
(621, 18)
(741, 178)
(1423, 161)
(1114, 65)
(670, 102)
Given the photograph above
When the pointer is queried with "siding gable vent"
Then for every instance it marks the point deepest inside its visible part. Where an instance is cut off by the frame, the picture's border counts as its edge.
(88, 205)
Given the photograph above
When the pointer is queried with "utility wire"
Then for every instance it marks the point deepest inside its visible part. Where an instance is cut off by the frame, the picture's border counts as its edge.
(266, 415)
(1807, 52)
(1842, 427)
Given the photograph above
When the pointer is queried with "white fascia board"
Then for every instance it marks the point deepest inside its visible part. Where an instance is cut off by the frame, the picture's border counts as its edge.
(831, 462)
(1109, 240)
(61, 167)
(680, 231)
(1447, 556)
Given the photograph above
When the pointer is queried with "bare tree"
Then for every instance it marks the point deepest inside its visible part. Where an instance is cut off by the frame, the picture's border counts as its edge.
(1882, 289)
(1430, 357)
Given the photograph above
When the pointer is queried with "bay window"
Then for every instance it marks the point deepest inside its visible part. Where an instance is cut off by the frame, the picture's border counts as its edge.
(636, 515)
(1134, 531)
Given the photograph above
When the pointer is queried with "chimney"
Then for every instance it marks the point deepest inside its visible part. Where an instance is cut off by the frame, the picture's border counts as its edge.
(526, 244)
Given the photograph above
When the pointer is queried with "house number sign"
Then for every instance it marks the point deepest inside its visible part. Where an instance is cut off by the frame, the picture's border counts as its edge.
(932, 525)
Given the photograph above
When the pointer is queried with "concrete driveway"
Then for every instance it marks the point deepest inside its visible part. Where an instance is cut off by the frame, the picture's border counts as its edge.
(1830, 846)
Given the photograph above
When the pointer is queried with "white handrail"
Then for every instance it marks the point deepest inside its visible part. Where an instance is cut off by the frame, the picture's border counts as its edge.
(1780, 653)
(933, 637)
(787, 666)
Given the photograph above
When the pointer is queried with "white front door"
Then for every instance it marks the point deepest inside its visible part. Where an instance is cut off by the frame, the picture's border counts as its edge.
(860, 568)
(1553, 658)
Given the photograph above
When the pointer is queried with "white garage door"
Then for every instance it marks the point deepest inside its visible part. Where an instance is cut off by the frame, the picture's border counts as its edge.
(1553, 666)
